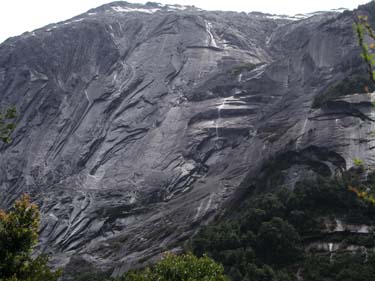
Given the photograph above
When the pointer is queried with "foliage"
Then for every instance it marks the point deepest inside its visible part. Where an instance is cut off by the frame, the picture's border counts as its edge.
(345, 267)
(363, 195)
(186, 267)
(97, 276)
(251, 240)
(278, 242)
(18, 236)
(6, 126)
(358, 162)
(263, 239)
(363, 28)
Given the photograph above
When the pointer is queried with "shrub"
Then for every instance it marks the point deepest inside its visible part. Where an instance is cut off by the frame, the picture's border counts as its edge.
(186, 267)
(18, 236)
(358, 162)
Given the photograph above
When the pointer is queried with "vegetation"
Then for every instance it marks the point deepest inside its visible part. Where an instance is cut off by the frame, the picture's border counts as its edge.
(6, 126)
(185, 267)
(366, 196)
(18, 236)
(344, 267)
(363, 28)
(265, 238)
(97, 276)
(358, 162)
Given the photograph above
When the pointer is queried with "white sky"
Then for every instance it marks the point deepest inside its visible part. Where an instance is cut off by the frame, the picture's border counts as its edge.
(18, 16)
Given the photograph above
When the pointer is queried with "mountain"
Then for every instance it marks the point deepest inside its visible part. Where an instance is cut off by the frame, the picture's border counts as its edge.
(139, 123)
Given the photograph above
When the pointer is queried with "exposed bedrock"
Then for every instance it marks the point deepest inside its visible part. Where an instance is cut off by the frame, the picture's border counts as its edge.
(137, 123)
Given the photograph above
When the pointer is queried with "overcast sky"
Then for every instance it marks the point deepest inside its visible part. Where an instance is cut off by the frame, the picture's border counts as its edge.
(18, 16)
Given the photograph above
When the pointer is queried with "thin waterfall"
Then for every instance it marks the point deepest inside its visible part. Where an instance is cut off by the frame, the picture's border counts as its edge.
(219, 108)
(302, 132)
(240, 78)
(330, 247)
(211, 38)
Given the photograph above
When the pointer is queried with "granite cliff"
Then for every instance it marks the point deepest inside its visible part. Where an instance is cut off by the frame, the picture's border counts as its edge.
(139, 123)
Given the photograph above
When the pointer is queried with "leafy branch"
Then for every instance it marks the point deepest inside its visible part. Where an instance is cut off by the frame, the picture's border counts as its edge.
(363, 28)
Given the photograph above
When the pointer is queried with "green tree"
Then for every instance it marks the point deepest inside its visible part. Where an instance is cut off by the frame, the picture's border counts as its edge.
(186, 267)
(278, 243)
(6, 126)
(18, 236)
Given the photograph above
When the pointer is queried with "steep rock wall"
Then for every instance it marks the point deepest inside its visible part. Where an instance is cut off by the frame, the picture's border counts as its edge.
(138, 123)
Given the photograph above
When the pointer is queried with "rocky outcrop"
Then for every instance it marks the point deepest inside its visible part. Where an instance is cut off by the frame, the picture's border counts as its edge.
(137, 123)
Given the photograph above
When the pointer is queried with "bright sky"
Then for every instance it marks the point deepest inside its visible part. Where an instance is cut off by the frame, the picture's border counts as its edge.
(18, 16)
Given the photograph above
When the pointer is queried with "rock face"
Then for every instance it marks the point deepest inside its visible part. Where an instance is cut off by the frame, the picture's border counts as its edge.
(138, 123)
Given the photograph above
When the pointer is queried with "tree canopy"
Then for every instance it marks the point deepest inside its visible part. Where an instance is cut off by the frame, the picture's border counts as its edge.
(186, 267)
(18, 237)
